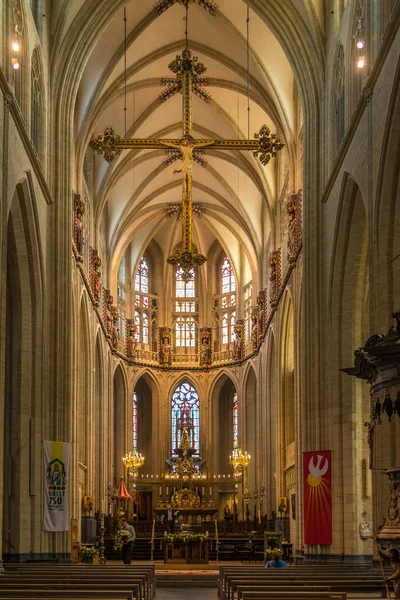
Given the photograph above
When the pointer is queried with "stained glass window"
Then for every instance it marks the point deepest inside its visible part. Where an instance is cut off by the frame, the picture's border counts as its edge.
(227, 277)
(185, 332)
(142, 302)
(135, 422)
(235, 419)
(142, 277)
(184, 289)
(185, 412)
(228, 327)
(145, 328)
(138, 327)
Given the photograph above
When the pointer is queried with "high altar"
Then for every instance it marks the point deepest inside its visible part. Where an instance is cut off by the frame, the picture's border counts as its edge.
(191, 508)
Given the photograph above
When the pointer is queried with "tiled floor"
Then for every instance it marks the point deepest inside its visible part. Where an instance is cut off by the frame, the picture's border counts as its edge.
(186, 593)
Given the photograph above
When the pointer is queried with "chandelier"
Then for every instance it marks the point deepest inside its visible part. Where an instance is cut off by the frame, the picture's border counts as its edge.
(239, 459)
(134, 460)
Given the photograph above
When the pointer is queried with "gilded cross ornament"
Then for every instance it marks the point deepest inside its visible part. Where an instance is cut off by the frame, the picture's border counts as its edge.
(164, 5)
(188, 79)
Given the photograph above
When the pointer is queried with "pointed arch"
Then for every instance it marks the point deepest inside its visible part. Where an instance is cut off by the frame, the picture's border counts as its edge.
(120, 428)
(349, 303)
(249, 428)
(387, 232)
(99, 410)
(24, 368)
(222, 406)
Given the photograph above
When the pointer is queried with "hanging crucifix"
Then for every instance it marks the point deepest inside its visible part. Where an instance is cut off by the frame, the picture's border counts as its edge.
(188, 80)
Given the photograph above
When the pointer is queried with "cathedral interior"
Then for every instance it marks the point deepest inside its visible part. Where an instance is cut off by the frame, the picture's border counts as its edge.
(200, 267)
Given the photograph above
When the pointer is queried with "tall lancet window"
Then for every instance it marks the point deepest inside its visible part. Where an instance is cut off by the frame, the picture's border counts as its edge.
(135, 421)
(235, 420)
(185, 413)
(142, 302)
(228, 302)
(185, 313)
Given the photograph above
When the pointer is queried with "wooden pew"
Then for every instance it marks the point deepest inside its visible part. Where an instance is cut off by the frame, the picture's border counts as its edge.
(265, 595)
(105, 573)
(336, 580)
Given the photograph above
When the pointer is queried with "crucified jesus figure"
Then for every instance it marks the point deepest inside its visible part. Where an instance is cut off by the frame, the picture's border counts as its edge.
(186, 147)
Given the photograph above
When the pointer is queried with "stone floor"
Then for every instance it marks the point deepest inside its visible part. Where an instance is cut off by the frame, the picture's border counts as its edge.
(187, 593)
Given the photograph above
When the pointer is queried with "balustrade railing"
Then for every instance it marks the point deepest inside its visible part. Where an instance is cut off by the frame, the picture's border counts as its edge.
(222, 357)
(185, 359)
(147, 356)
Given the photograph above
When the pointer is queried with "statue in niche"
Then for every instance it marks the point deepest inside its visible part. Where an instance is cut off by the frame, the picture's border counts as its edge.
(115, 331)
(165, 351)
(273, 278)
(254, 329)
(97, 277)
(131, 344)
(109, 315)
(79, 227)
(205, 351)
(292, 225)
(237, 344)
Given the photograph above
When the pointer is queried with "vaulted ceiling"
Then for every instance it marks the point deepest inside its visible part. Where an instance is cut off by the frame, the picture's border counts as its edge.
(238, 194)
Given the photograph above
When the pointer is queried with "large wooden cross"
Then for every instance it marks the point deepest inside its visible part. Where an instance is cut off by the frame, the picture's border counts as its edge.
(188, 80)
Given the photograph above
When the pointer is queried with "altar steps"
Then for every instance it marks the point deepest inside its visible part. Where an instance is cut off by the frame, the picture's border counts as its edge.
(187, 579)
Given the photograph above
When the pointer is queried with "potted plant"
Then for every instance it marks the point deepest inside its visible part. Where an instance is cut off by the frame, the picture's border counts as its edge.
(88, 553)
(251, 535)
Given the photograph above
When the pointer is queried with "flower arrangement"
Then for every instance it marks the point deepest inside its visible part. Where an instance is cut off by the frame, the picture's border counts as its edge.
(120, 537)
(186, 537)
(88, 553)
(251, 535)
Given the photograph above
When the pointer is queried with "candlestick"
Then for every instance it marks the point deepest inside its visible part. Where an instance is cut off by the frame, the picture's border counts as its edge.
(210, 491)
(160, 490)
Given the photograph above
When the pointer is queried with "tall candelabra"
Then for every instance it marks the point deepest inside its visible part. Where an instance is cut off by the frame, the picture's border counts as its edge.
(255, 494)
(102, 560)
(262, 494)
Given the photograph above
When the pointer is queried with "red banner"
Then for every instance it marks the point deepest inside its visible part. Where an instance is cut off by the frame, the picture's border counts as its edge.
(317, 481)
